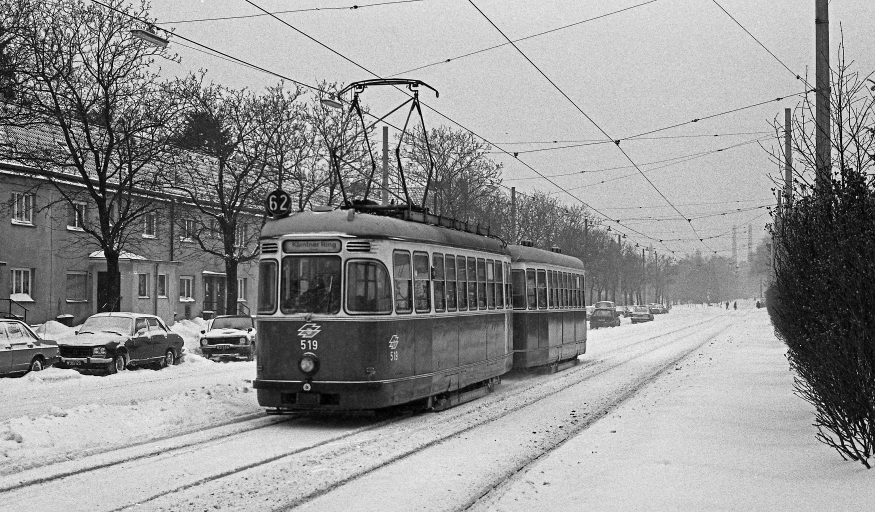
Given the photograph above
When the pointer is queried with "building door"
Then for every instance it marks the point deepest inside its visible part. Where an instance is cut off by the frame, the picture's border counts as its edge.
(214, 294)
(103, 301)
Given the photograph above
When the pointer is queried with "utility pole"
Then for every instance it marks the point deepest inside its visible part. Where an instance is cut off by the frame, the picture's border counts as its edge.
(385, 182)
(788, 161)
(512, 215)
(619, 257)
(823, 159)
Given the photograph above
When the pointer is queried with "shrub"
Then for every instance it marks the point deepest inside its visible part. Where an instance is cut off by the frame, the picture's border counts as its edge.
(822, 304)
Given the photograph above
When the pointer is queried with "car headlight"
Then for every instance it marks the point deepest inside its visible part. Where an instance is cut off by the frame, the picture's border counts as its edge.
(203, 342)
(309, 363)
(98, 352)
(242, 341)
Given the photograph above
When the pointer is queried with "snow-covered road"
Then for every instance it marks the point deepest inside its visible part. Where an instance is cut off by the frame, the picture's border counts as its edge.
(208, 446)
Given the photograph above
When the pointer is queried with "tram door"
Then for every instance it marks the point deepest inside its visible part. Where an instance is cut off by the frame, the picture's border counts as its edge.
(214, 294)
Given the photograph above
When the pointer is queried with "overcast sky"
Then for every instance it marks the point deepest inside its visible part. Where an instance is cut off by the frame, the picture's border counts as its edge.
(655, 64)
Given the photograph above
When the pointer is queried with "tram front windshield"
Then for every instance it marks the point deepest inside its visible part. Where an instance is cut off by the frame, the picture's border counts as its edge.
(310, 284)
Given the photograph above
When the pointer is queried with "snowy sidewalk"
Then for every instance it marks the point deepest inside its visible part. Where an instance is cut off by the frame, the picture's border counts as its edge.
(723, 431)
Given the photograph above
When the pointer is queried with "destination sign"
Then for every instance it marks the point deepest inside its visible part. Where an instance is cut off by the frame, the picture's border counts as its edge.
(311, 246)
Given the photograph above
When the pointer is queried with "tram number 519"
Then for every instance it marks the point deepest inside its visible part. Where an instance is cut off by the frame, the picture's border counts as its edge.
(309, 344)
(393, 355)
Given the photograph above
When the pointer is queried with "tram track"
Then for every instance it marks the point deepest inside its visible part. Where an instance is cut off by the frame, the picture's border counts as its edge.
(499, 485)
(367, 454)
(367, 439)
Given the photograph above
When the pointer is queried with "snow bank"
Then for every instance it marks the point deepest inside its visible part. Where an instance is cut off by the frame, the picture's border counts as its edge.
(63, 434)
(190, 330)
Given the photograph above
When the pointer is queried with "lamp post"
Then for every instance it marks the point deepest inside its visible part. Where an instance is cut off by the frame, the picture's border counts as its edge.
(150, 37)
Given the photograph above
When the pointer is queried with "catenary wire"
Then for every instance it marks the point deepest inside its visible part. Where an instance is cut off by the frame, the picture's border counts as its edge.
(347, 8)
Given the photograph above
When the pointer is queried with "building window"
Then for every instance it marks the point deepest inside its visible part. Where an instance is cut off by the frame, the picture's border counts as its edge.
(186, 288)
(22, 281)
(149, 225)
(143, 286)
(241, 289)
(77, 287)
(22, 208)
(76, 216)
(189, 230)
(162, 286)
(240, 235)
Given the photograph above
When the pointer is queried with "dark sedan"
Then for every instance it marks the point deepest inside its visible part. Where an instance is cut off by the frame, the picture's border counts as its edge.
(641, 314)
(604, 318)
(116, 341)
(22, 351)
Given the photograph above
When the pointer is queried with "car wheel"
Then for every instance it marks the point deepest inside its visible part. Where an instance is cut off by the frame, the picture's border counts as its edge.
(169, 358)
(36, 365)
(251, 355)
(118, 364)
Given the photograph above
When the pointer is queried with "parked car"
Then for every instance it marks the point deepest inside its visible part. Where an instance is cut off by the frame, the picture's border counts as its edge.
(603, 317)
(116, 341)
(604, 304)
(22, 351)
(641, 314)
(229, 336)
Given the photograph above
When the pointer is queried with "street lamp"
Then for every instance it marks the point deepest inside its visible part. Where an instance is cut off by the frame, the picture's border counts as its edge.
(331, 102)
(149, 37)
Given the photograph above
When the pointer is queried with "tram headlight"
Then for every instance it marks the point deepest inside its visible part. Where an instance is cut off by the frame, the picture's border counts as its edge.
(309, 363)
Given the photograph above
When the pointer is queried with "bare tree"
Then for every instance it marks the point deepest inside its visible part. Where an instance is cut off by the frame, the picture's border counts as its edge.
(223, 174)
(88, 104)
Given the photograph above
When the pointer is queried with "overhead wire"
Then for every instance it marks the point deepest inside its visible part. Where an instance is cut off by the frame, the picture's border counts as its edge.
(290, 11)
(469, 54)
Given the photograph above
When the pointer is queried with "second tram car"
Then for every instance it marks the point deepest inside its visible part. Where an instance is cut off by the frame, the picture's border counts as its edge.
(549, 318)
(361, 311)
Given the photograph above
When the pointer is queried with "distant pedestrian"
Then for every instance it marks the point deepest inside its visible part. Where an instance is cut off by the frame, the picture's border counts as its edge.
(735, 305)
(727, 304)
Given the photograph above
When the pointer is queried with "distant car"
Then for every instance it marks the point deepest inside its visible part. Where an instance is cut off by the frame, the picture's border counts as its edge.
(22, 351)
(229, 336)
(641, 314)
(654, 308)
(116, 341)
(604, 304)
(604, 318)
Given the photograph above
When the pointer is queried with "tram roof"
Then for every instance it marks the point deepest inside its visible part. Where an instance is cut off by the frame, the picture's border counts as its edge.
(524, 253)
(366, 225)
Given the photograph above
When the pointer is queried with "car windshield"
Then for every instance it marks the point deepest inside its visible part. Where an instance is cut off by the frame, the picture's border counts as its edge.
(232, 322)
(116, 324)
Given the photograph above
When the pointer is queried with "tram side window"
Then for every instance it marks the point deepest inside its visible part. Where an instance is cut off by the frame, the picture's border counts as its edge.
(421, 282)
(499, 284)
(439, 286)
(508, 291)
(531, 289)
(565, 301)
(462, 279)
(403, 282)
(542, 289)
(451, 282)
(369, 288)
(310, 284)
(554, 289)
(577, 291)
(481, 283)
(519, 289)
(267, 282)
(472, 283)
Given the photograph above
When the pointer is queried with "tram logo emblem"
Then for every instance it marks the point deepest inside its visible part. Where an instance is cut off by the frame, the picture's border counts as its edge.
(309, 330)
(393, 342)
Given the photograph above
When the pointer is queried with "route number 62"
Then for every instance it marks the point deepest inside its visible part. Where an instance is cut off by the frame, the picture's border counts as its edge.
(278, 203)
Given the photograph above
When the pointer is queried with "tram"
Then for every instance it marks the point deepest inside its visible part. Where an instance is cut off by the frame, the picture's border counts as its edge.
(549, 317)
(358, 311)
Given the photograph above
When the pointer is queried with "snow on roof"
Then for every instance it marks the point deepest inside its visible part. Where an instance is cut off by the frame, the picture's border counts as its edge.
(124, 255)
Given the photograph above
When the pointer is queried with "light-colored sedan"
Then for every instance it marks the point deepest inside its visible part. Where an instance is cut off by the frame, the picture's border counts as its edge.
(22, 351)
(641, 314)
